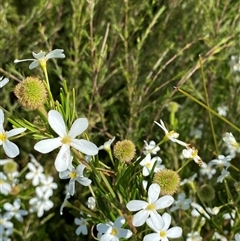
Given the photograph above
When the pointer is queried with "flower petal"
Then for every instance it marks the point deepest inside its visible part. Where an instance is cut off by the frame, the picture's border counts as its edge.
(34, 64)
(63, 159)
(15, 132)
(136, 205)
(152, 237)
(78, 127)
(140, 218)
(56, 121)
(84, 146)
(84, 181)
(164, 202)
(103, 228)
(124, 233)
(46, 146)
(167, 220)
(119, 222)
(156, 221)
(56, 53)
(153, 193)
(174, 232)
(10, 149)
(1, 117)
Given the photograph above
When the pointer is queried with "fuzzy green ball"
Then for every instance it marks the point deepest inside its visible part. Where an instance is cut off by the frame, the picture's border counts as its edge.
(31, 93)
(124, 151)
(168, 180)
(206, 193)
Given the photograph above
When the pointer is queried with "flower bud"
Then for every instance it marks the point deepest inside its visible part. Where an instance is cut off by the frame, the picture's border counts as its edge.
(124, 151)
(31, 93)
(168, 180)
(206, 193)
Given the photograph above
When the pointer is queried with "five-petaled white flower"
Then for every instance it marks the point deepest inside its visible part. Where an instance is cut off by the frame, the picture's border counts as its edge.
(171, 135)
(3, 81)
(75, 175)
(221, 161)
(13, 210)
(35, 174)
(65, 140)
(161, 228)
(113, 231)
(82, 226)
(149, 162)
(149, 208)
(41, 59)
(181, 203)
(9, 147)
(192, 152)
(151, 148)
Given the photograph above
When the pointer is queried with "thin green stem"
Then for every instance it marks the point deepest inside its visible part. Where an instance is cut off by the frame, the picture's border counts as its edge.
(206, 107)
(207, 100)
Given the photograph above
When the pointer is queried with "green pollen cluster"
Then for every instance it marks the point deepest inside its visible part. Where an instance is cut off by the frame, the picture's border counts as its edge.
(168, 180)
(31, 93)
(124, 151)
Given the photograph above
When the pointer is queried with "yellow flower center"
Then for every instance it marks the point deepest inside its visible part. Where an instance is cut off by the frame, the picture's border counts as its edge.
(150, 207)
(66, 140)
(195, 152)
(162, 234)
(72, 174)
(114, 232)
(149, 165)
(3, 137)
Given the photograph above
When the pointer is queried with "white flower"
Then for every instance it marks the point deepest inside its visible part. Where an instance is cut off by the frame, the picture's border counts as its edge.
(148, 164)
(194, 236)
(82, 226)
(151, 148)
(107, 145)
(5, 223)
(237, 237)
(48, 185)
(221, 161)
(218, 236)
(65, 140)
(75, 175)
(91, 203)
(197, 132)
(224, 174)
(9, 147)
(40, 203)
(149, 208)
(14, 210)
(199, 211)
(161, 228)
(207, 169)
(230, 216)
(189, 180)
(3, 81)
(181, 203)
(41, 59)
(172, 135)
(222, 110)
(113, 231)
(35, 174)
(192, 153)
(230, 139)
(5, 187)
